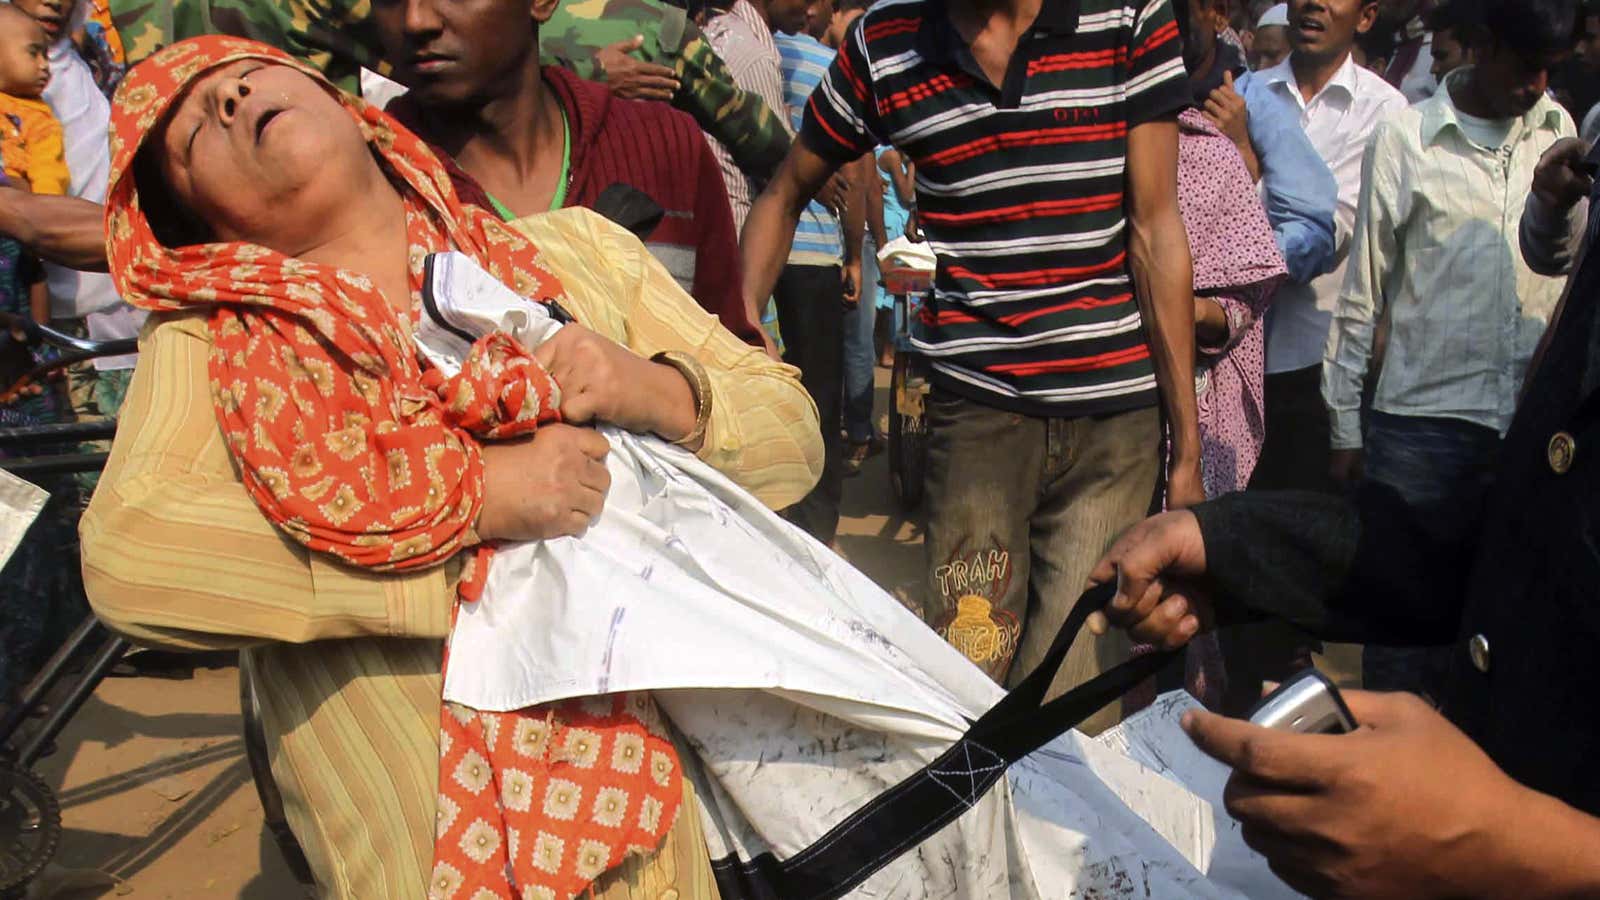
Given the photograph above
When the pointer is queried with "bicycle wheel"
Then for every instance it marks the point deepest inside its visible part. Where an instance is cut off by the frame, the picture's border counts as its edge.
(908, 431)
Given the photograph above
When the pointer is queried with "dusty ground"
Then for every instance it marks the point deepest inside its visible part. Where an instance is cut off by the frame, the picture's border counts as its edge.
(156, 794)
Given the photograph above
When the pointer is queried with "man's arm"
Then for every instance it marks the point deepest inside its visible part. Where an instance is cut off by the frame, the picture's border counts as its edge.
(751, 130)
(1375, 248)
(64, 230)
(1301, 194)
(1158, 255)
(769, 230)
(853, 224)
(1557, 211)
(872, 197)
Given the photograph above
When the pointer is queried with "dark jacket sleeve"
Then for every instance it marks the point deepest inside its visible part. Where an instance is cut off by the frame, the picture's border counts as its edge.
(718, 282)
(1359, 568)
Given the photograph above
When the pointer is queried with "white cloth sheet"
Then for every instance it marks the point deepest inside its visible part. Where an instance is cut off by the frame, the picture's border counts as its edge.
(798, 688)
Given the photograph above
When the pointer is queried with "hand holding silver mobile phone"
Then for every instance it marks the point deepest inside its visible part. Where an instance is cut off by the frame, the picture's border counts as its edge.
(1307, 703)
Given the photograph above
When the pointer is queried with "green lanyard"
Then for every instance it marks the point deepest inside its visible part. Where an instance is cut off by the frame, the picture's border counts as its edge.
(560, 198)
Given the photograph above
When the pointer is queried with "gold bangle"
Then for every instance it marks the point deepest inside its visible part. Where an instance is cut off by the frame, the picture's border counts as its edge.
(699, 386)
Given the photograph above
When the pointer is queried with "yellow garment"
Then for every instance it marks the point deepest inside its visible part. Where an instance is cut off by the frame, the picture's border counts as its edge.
(176, 553)
(31, 145)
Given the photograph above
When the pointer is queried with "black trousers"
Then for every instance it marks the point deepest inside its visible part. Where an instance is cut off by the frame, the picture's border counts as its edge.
(1295, 457)
(811, 316)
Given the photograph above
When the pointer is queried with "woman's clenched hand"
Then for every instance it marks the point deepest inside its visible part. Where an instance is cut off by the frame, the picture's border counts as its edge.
(549, 485)
(603, 381)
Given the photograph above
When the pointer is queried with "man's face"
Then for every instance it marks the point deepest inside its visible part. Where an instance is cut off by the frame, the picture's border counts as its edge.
(1270, 47)
(842, 20)
(1511, 85)
(787, 16)
(1326, 29)
(51, 14)
(455, 52)
(819, 15)
(1588, 48)
(1449, 54)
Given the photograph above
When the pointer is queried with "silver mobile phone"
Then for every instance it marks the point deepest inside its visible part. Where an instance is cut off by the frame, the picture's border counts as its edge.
(1308, 703)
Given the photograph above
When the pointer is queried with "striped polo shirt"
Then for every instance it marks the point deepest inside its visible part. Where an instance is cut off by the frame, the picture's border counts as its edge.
(1019, 189)
(804, 63)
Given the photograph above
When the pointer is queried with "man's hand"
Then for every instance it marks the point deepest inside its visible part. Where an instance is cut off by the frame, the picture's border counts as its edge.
(1226, 110)
(603, 381)
(1559, 177)
(549, 485)
(1405, 807)
(633, 79)
(913, 228)
(835, 194)
(1345, 466)
(850, 282)
(1155, 564)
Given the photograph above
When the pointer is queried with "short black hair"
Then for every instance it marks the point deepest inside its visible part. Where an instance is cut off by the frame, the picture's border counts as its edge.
(1454, 15)
(1376, 43)
(1532, 29)
(849, 5)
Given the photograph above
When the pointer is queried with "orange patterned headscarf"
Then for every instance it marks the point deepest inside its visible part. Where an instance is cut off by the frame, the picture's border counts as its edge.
(352, 447)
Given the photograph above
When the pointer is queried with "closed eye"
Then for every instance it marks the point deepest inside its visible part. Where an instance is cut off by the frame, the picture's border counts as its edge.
(188, 147)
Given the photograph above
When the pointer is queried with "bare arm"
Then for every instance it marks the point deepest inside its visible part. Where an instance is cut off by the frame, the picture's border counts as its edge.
(769, 230)
(1163, 276)
(903, 173)
(872, 186)
(64, 230)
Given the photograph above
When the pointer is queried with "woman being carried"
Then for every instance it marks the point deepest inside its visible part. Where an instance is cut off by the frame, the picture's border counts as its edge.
(288, 273)
(324, 248)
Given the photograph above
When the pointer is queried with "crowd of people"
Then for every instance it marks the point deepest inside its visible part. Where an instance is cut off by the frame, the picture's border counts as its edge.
(1286, 273)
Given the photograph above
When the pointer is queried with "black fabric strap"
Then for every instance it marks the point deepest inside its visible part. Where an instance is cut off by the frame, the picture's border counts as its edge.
(939, 793)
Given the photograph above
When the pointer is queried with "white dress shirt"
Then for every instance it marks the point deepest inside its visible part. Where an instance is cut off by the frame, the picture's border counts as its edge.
(1338, 121)
(85, 117)
(1436, 247)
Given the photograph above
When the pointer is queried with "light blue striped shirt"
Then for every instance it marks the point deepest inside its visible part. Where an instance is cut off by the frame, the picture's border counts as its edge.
(805, 61)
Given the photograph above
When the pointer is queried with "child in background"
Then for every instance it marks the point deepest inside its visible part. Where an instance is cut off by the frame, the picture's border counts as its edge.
(30, 137)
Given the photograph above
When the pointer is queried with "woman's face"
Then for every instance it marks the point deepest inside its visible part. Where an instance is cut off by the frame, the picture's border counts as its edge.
(261, 153)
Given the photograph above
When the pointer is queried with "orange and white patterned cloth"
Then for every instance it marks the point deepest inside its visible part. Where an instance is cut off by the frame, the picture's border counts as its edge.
(353, 448)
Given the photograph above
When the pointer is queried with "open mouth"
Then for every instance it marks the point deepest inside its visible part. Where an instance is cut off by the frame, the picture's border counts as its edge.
(265, 119)
(1308, 27)
(51, 23)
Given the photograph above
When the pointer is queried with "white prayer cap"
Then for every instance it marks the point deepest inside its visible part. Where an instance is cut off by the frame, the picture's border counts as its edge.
(1278, 15)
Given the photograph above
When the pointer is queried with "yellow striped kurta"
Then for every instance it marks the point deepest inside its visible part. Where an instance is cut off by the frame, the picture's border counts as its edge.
(346, 662)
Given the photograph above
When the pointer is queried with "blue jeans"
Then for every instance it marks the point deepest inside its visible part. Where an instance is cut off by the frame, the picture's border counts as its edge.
(859, 357)
(1442, 469)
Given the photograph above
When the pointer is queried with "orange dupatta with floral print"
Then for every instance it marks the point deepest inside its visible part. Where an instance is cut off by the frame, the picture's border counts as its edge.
(353, 448)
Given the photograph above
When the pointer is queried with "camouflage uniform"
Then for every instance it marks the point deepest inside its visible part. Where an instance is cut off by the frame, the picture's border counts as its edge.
(337, 37)
(744, 124)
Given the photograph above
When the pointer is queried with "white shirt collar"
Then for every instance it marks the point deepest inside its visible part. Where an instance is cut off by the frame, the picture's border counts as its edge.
(1440, 111)
(1344, 80)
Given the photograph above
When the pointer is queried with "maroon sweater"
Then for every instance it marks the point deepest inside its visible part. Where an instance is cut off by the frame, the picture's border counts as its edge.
(661, 152)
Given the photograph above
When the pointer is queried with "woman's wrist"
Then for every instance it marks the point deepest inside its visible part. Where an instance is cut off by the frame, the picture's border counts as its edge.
(686, 394)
